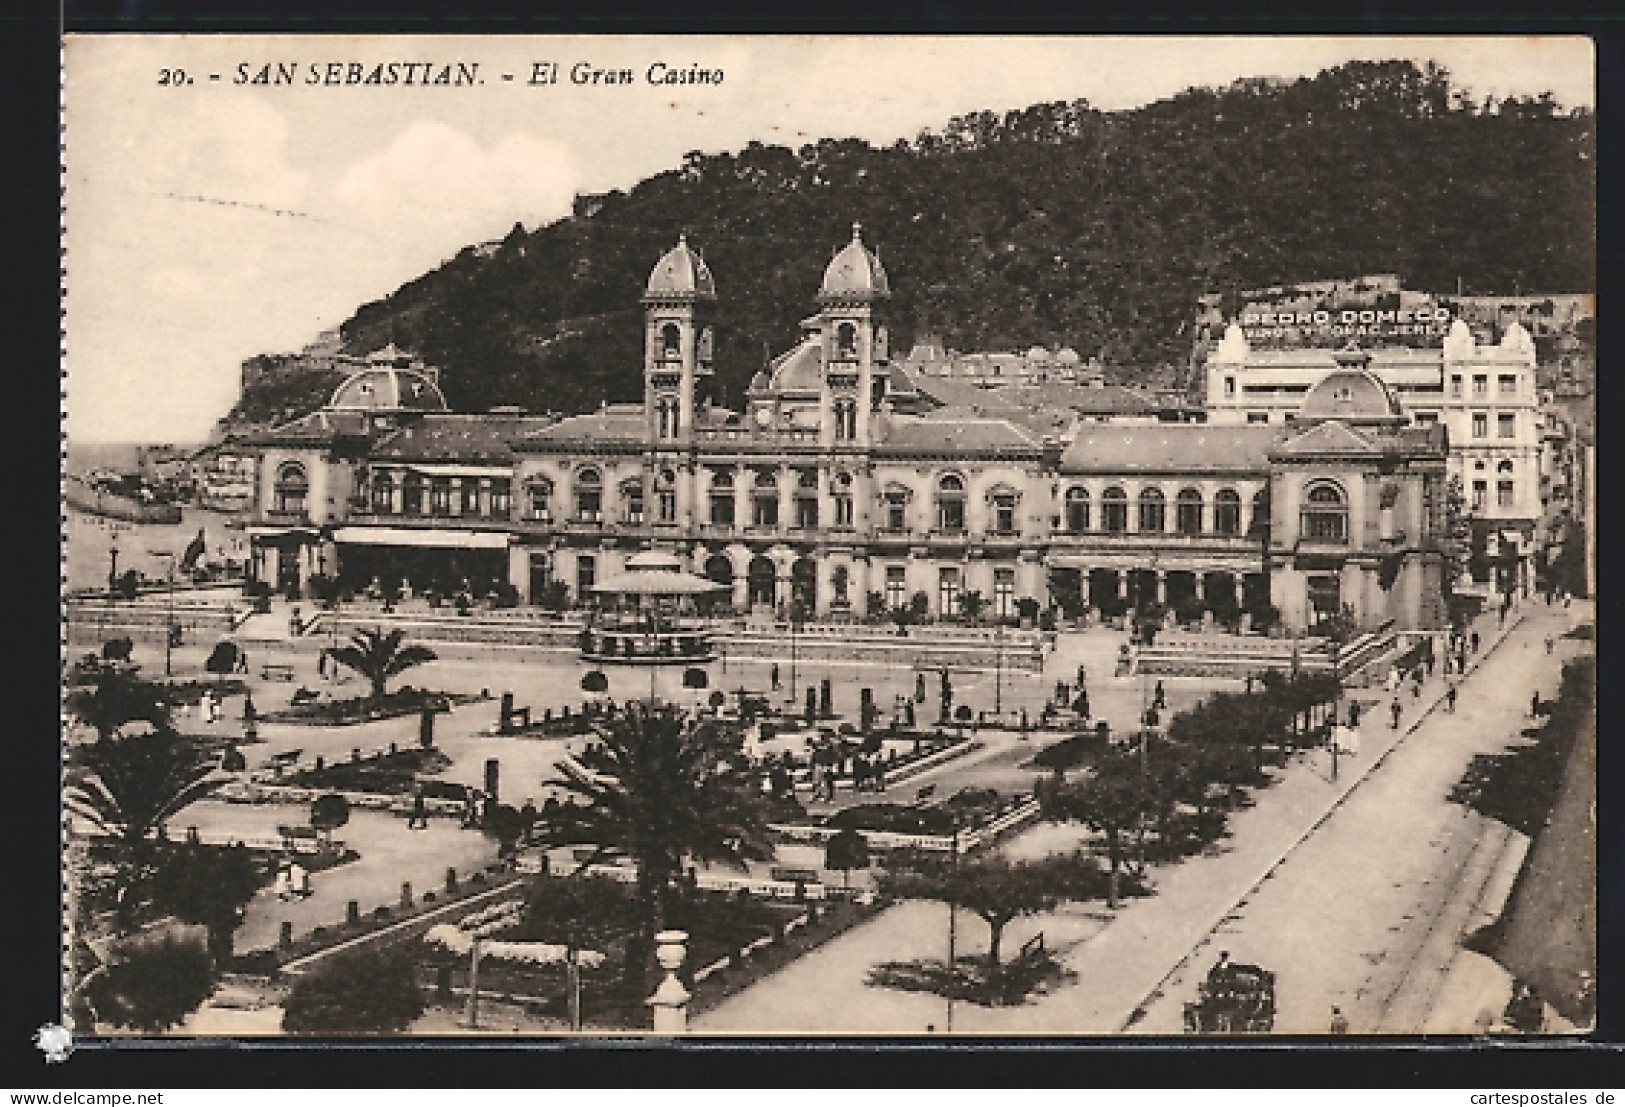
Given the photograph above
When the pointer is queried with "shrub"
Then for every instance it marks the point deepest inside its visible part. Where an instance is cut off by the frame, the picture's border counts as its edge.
(367, 992)
(154, 983)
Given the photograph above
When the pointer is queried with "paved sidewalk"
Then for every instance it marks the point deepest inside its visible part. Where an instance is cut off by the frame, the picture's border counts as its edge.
(1145, 943)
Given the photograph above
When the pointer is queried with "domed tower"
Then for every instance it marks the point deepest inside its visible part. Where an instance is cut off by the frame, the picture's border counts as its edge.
(676, 351)
(854, 344)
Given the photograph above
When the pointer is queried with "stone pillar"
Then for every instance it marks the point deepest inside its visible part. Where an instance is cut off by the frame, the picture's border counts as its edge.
(1122, 584)
(742, 482)
(787, 492)
(670, 1001)
(456, 504)
(1201, 584)
(1162, 585)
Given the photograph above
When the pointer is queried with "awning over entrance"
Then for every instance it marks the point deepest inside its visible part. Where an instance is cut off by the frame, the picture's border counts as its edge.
(436, 539)
(433, 469)
(308, 533)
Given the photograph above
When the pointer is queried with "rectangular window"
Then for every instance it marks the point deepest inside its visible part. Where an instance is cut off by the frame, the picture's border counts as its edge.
(1455, 384)
(806, 512)
(948, 591)
(765, 511)
(586, 574)
(1508, 384)
(539, 497)
(666, 504)
(1481, 384)
(440, 496)
(1004, 593)
(843, 510)
(1230, 386)
(1503, 494)
(1426, 418)
(1004, 515)
(1506, 424)
(896, 587)
(469, 499)
(1258, 417)
(1481, 425)
(951, 515)
(589, 505)
(722, 509)
(501, 497)
(632, 497)
(1481, 495)
(896, 513)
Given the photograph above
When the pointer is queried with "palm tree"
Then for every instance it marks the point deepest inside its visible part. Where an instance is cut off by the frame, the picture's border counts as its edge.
(379, 656)
(128, 788)
(665, 788)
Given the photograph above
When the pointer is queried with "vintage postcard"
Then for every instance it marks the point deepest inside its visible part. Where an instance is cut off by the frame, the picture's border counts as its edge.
(823, 536)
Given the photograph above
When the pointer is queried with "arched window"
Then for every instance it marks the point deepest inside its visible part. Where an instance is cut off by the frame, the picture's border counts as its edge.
(841, 493)
(846, 341)
(1227, 512)
(1261, 511)
(1188, 511)
(1077, 510)
(1504, 466)
(1114, 511)
(1325, 513)
(589, 488)
(291, 489)
(666, 496)
(539, 499)
(1153, 511)
(951, 503)
(671, 342)
(383, 493)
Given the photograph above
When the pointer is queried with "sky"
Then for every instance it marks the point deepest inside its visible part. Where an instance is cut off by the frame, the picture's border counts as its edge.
(208, 220)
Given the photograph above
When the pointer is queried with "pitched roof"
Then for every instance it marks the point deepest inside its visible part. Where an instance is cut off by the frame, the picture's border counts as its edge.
(318, 427)
(1326, 438)
(616, 423)
(800, 369)
(488, 437)
(906, 434)
(1169, 448)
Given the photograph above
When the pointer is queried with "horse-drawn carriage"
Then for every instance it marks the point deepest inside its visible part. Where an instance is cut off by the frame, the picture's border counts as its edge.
(1234, 999)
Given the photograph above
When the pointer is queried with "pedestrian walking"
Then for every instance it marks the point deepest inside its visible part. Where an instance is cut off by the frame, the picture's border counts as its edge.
(420, 811)
(1429, 663)
(1450, 697)
(242, 661)
(1394, 711)
(1158, 699)
(1083, 677)
(1081, 706)
(1354, 714)
(1340, 1022)
(1393, 679)
(829, 783)
(1548, 643)
(1534, 705)
(773, 676)
(1472, 642)
(298, 881)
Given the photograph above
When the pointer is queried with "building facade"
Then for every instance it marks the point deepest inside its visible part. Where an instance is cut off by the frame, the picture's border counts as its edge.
(836, 490)
(1485, 395)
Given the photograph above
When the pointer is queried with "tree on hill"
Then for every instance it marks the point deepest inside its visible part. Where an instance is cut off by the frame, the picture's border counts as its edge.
(1214, 190)
(378, 656)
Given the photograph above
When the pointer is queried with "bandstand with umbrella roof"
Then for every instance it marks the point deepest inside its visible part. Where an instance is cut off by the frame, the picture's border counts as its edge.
(649, 614)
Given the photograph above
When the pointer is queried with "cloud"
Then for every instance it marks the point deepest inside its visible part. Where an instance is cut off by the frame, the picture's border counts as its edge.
(435, 185)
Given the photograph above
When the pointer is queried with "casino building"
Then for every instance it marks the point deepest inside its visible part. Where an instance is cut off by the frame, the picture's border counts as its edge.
(837, 487)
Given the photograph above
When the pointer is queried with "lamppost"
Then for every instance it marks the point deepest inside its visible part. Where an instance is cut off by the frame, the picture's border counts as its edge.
(169, 606)
(795, 618)
(953, 919)
(998, 664)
